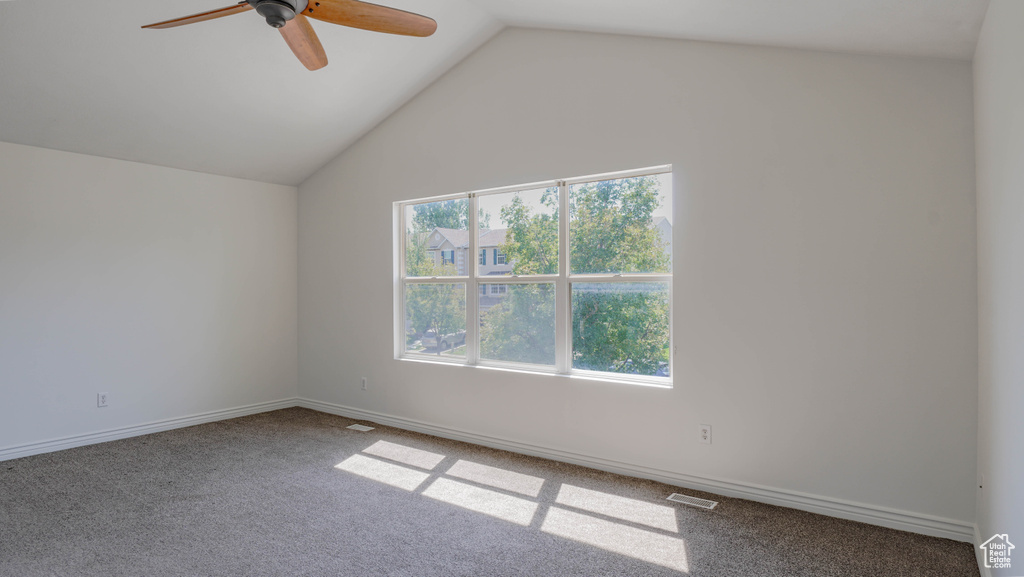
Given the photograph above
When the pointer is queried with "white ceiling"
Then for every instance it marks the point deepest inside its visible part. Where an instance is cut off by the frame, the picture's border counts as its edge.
(936, 28)
(227, 96)
(224, 96)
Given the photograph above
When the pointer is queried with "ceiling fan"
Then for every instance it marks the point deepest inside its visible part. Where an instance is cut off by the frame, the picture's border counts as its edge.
(290, 17)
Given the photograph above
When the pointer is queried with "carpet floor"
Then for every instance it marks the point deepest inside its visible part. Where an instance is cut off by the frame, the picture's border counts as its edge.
(296, 493)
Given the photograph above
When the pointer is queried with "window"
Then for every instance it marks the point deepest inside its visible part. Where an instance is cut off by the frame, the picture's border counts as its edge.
(585, 266)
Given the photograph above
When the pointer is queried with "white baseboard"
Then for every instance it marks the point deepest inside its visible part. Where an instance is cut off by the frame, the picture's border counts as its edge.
(143, 429)
(875, 515)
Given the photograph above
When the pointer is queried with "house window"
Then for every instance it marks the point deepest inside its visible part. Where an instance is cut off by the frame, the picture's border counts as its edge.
(586, 288)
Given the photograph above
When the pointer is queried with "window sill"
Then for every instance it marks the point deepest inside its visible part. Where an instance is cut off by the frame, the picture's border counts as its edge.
(614, 378)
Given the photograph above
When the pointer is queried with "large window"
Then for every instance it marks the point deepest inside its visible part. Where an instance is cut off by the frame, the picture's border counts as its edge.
(585, 271)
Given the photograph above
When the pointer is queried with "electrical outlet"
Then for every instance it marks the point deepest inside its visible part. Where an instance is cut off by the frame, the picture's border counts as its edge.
(364, 383)
(704, 432)
(101, 399)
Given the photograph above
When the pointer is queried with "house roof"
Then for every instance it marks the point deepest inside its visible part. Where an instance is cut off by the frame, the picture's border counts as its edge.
(459, 238)
(493, 237)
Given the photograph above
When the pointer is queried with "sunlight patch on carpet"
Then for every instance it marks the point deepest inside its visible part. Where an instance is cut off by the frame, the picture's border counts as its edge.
(387, 473)
(497, 478)
(633, 510)
(622, 539)
(480, 500)
(402, 454)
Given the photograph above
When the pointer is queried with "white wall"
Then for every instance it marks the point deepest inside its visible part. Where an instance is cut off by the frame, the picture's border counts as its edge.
(173, 291)
(999, 114)
(825, 280)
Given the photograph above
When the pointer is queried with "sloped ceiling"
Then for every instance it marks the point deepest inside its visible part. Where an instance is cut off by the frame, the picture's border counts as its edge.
(224, 96)
(227, 96)
(934, 28)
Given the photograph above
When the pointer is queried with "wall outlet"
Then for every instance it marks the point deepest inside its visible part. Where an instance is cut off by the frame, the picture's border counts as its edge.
(364, 383)
(101, 399)
(704, 434)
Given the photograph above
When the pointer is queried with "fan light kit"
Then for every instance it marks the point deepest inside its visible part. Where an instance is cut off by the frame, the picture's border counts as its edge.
(290, 18)
(278, 12)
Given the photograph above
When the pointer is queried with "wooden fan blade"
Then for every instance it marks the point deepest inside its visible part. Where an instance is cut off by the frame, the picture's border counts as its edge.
(219, 13)
(370, 17)
(303, 41)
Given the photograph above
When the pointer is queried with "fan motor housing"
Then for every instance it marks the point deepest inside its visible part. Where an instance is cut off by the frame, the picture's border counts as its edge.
(278, 12)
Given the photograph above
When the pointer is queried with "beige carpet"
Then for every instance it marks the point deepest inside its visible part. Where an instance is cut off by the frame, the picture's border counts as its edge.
(294, 492)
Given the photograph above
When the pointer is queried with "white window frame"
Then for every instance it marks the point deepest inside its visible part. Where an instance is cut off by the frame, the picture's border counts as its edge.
(563, 284)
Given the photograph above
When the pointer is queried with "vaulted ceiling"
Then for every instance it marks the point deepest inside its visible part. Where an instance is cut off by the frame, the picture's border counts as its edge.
(228, 97)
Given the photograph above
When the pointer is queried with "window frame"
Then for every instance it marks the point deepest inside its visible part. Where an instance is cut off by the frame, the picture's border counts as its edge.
(563, 282)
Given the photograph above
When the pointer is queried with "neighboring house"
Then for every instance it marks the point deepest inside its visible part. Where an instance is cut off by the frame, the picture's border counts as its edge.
(450, 245)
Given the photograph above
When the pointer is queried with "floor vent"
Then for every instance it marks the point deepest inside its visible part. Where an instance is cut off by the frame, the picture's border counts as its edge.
(687, 500)
(363, 428)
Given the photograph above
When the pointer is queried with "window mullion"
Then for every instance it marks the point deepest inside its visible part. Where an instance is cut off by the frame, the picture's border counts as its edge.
(473, 286)
(399, 281)
(563, 302)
